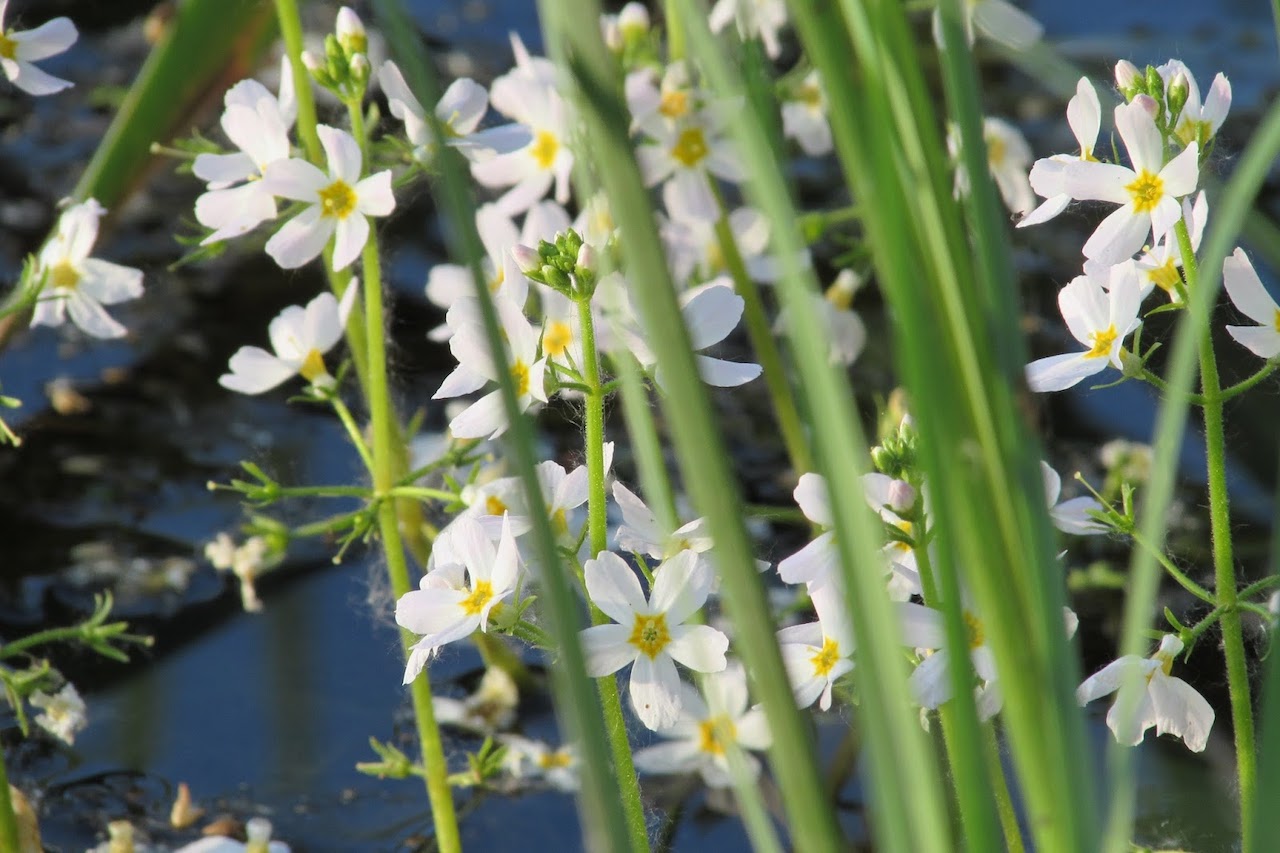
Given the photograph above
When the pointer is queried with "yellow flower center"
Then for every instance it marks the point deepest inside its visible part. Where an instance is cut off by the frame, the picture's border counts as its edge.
(559, 522)
(715, 733)
(650, 634)
(810, 95)
(479, 597)
(1102, 342)
(1276, 321)
(841, 298)
(544, 148)
(690, 148)
(1145, 191)
(824, 660)
(715, 258)
(556, 338)
(996, 150)
(337, 200)
(977, 634)
(1192, 130)
(552, 760)
(64, 275)
(8, 47)
(520, 375)
(908, 528)
(1166, 276)
(674, 104)
(313, 366)
(1087, 155)
(498, 279)
(493, 505)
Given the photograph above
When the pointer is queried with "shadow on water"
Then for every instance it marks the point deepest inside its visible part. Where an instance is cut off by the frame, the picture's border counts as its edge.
(269, 713)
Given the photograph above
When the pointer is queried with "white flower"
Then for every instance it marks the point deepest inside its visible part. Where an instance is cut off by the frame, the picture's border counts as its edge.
(18, 49)
(258, 124)
(1069, 516)
(640, 532)
(62, 714)
(491, 708)
(486, 418)
(533, 759)
(338, 203)
(685, 154)
(651, 635)
(707, 729)
(1008, 159)
(300, 338)
(1198, 122)
(77, 284)
(763, 18)
(245, 562)
(1098, 318)
(1161, 266)
(1147, 193)
(1170, 704)
(1251, 299)
(997, 20)
(459, 112)
(1084, 116)
(529, 95)
(258, 832)
(817, 654)
(804, 116)
(445, 607)
(710, 312)
(694, 251)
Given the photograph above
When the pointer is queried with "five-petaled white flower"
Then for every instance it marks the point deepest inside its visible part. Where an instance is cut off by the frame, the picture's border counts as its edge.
(1147, 193)
(804, 116)
(685, 154)
(1072, 515)
(1098, 318)
(447, 607)
(708, 728)
(817, 654)
(338, 203)
(62, 714)
(77, 284)
(533, 759)
(258, 124)
(18, 49)
(300, 338)
(1008, 159)
(1084, 116)
(1251, 299)
(1170, 704)
(651, 635)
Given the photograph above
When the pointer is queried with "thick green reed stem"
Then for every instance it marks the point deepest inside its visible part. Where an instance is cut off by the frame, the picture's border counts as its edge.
(8, 823)
(597, 535)
(1224, 570)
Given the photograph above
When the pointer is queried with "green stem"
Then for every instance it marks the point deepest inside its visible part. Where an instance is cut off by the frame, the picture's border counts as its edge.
(8, 823)
(385, 457)
(1174, 572)
(598, 536)
(41, 638)
(422, 493)
(762, 341)
(1223, 561)
(353, 431)
(1000, 787)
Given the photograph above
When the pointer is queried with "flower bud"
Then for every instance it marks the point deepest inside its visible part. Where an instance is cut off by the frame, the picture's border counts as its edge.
(1178, 92)
(359, 66)
(1128, 79)
(527, 259)
(902, 496)
(586, 259)
(1153, 84)
(1149, 104)
(350, 30)
(310, 62)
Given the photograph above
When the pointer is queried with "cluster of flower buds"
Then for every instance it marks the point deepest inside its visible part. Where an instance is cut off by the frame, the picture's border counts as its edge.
(895, 456)
(345, 67)
(567, 266)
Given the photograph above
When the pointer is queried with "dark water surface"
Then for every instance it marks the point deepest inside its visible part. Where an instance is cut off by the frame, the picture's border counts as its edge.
(268, 713)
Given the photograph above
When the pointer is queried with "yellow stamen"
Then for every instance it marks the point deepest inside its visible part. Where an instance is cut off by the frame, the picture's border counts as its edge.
(996, 150)
(690, 148)
(650, 634)
(1166, 276)
(64, 275)
(544, 148)
(559, 522)
(1146, 191)
(337, 200)
(810, 95)
(494, 505)
(977, 634)
(1276, 322)
(674, 104)
(479, 597)
(8, 47)
(1102, 342)
(825, 659)
(313, 366)
(556, 338)
(715, 733)
(552, 760)
(520, 375)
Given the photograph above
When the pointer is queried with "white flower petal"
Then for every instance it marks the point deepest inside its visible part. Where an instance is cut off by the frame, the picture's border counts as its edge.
(606, 649)
(699, 647)
(655, 691)
(613, 587)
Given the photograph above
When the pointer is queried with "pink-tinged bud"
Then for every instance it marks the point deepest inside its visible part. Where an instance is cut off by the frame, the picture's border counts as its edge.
(902, 496)
(350, 31)
(310, 62)
(527, 259)
(611, 33)
(586, 259)
(1127, 76)
(634, 17)
(1149, 104)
